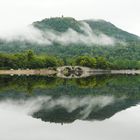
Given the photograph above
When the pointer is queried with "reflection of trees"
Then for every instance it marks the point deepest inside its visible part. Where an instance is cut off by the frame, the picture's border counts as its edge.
(25, 83)
(86, 82)
(29, 83)
(116, 85)
(90, 82)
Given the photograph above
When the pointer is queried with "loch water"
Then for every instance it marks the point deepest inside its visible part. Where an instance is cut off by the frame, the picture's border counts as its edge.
(103, 107)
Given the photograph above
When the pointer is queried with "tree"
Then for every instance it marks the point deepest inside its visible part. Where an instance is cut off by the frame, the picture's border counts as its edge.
(86, 61)
(102, 63)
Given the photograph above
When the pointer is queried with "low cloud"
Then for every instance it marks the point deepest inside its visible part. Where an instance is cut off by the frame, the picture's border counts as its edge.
(48, 37)
(29, 34)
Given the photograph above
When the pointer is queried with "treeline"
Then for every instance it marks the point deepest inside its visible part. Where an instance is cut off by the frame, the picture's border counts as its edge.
(103, 63)
(88, 61)
(33, 61)
(30, 60)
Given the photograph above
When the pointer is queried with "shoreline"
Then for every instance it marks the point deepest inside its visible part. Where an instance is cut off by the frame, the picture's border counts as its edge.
(52, 72)
(127, 72)
(28, 72)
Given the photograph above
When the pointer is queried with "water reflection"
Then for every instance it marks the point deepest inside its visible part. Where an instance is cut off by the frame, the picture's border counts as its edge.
(59, 100)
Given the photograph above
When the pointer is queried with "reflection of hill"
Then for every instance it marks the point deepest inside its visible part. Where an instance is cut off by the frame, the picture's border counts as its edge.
(62, 115)
(66, 100)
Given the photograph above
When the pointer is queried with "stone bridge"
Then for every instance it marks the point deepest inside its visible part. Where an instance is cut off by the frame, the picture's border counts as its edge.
(73, 71)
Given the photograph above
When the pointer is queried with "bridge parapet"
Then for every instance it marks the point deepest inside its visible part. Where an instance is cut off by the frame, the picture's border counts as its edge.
(73, 68)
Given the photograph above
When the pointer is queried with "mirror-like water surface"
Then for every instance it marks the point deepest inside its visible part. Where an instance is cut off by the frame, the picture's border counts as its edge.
(99, 107)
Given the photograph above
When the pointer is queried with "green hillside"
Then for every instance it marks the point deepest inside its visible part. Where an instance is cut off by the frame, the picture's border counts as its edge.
(111, 30)
(59, 24)
(124, 52)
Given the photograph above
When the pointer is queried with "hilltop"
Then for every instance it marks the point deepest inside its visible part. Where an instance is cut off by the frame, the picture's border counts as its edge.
(101, 26)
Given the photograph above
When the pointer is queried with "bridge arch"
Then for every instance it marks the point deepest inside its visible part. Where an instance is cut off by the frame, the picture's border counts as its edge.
(72, 71)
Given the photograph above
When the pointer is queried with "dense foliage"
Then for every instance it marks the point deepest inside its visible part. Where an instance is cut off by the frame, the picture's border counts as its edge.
(28, 60)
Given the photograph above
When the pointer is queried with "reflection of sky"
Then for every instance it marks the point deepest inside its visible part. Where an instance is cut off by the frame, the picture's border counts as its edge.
(124, 125)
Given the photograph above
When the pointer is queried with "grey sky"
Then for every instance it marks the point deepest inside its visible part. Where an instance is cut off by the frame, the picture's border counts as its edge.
(123, 13)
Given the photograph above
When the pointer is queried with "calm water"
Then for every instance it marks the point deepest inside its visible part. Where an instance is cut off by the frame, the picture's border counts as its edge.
(50, 108)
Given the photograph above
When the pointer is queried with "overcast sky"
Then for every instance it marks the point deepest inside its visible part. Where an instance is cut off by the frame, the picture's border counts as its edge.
(123, 13)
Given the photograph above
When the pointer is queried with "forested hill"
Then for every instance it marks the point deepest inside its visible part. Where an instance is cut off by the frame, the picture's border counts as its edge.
(111, 30)
(98, 26)
(67, 37)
